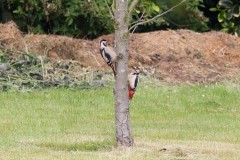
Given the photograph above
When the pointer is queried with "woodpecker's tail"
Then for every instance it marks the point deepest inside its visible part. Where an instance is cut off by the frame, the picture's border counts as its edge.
(114, 72)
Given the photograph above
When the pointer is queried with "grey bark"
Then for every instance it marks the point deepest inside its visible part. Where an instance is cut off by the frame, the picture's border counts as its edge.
(122, 114)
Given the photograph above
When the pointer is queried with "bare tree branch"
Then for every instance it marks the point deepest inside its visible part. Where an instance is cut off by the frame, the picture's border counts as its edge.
(131, 8)
(152, 19)
(109, 9)
(133, 31)
(179, 25)
(140, 19)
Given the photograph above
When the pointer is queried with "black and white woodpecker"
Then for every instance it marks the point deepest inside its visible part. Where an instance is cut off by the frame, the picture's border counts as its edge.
(108, 54)
(133, 79)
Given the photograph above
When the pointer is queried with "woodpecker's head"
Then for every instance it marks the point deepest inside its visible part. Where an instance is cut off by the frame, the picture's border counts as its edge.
(103, 43)
(136, 70)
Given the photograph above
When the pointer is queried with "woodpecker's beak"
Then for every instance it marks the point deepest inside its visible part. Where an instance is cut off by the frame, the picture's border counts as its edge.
(137, 69)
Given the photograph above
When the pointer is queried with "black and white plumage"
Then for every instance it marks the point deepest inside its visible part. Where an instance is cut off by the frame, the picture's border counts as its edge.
(108, 54)
(133, 80)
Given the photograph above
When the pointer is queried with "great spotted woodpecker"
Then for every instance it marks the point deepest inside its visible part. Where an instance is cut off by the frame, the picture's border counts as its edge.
(133, 80)
(108, 54)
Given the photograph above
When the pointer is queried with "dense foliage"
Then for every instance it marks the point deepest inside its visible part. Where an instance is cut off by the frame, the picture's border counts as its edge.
(91, 18)
(78, 18)
(187, 15)
(229, 16)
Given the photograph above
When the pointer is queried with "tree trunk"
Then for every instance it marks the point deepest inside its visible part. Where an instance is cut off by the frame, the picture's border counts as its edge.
(122, 114)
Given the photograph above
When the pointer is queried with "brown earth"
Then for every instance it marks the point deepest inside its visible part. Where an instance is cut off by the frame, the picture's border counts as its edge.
(175, 56)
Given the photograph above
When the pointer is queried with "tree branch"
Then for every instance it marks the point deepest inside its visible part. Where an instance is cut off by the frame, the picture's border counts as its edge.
(152, 19)
(131, 8)
(140, 19)
(109, 9)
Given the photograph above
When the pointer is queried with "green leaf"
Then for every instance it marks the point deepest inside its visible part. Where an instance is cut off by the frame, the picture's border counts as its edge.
(222, 16)
(231, 25)
(213, 9)
(16, 11)
(230, 14)
(70, 21)
(226, 3)
(155, 8)
(137, 11)
(225, 30)
(236, 11)
(75, 14)
(19, 10)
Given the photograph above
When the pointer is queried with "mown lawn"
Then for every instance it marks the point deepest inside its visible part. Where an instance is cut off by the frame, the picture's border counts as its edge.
(168, 122)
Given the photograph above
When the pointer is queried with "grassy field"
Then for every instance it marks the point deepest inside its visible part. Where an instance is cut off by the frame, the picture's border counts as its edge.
(168, 122)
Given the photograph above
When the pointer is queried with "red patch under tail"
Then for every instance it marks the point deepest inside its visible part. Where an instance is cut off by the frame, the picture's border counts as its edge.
(130, 93)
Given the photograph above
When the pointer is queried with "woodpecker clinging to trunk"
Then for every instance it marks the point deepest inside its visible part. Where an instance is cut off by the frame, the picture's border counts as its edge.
(108, 54)
(133, 80)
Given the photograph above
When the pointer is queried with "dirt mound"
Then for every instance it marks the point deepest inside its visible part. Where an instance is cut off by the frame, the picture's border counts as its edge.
(9, 31)
(186, 56)
(57, 47)
(179, 56)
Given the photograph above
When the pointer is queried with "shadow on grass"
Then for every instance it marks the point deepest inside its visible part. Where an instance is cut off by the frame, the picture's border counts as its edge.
(85, 146)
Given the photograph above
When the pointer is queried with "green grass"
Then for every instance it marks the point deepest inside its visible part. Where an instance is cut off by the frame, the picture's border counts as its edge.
(168, 122)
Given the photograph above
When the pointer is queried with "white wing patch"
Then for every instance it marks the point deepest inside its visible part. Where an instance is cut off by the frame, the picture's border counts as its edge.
(112, 54)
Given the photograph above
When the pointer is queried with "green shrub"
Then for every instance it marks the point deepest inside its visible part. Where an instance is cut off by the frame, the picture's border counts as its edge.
(91, 18)
(78, 18)
(229, 15)
(186, 15)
